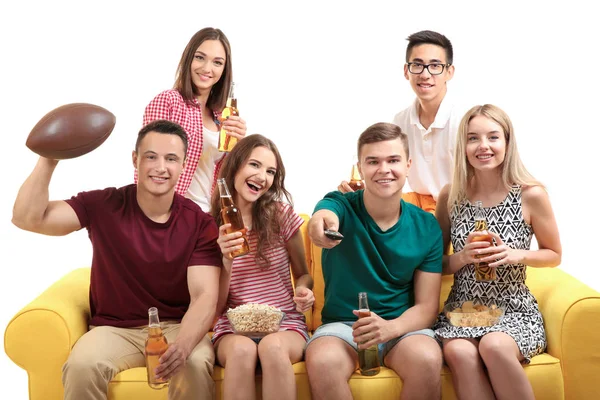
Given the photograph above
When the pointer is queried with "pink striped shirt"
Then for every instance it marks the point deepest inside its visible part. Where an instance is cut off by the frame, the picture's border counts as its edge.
(171, 106)
(272, 286)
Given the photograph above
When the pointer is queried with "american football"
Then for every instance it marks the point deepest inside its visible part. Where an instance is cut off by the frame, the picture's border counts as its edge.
(71, 131)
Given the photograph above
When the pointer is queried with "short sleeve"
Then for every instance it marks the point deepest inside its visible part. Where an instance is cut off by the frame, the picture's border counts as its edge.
(335, 202)
(207, 251)
(290, 222)
(433, 259)
(161, 107)
(86, 204)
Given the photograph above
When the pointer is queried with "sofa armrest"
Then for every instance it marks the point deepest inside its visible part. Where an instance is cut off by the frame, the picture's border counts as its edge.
(40, 337)
(571, 312)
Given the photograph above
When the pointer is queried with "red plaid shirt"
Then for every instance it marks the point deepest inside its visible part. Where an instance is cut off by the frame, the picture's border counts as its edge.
(171, 106)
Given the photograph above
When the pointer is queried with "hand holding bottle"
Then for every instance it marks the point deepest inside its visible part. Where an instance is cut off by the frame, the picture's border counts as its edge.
(366, 334)
(344, 187)
(234, 126)
(473, 248)
(229, 242)
(232, 217)
(500, 253)
(172, 361)
(371, 330)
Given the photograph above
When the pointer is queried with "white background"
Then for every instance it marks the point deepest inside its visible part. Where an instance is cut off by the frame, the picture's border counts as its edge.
(311, 76)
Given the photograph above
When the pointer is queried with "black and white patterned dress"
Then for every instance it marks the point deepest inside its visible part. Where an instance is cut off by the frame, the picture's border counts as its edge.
(523, 320)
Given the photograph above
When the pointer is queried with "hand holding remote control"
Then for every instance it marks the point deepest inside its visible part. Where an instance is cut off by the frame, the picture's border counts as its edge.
(333, 235)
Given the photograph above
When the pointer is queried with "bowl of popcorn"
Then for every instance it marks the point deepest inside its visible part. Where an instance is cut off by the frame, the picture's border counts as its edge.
(255, 320)
(475, 313)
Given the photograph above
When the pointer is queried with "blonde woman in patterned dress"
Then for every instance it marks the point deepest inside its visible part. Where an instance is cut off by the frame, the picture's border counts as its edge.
(486, 362)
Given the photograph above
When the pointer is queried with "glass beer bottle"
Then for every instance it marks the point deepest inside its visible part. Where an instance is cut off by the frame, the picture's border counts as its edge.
(227, 142)
(232, 215)
(156, 345)
(356, 182)
(368, 359)
(483, 272)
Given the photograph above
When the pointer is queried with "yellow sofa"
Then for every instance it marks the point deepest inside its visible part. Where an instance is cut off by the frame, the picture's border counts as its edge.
(40, 337)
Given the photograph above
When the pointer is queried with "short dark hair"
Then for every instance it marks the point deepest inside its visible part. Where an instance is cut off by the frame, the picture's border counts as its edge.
(183, 82)
(165, 127)
(430, 37)
(380, 132)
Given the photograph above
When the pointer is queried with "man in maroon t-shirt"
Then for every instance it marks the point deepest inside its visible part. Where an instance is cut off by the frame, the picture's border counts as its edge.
(151, 248)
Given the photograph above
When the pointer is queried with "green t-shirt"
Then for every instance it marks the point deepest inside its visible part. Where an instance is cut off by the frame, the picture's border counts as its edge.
(377, 262)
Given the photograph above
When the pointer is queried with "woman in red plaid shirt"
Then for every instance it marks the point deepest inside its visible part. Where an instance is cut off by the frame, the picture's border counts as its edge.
(199, 95)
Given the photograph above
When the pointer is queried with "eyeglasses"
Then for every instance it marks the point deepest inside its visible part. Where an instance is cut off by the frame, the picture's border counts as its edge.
(418, 68)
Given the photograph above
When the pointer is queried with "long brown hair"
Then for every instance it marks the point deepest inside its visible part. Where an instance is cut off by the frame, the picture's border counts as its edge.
(266, 222)
(513, 170)
(183, 81)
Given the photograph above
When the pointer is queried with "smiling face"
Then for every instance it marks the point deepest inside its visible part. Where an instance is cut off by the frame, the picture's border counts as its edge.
(159, 160)
(255, 176)
(486, 144)
(427, 87)
(384, 166)
(208, 65)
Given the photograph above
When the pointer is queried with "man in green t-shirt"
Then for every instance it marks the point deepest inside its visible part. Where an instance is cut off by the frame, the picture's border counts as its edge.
(391, 250)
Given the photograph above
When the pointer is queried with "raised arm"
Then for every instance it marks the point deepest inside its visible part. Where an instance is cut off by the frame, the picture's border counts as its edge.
(34, 212)
(228, 242)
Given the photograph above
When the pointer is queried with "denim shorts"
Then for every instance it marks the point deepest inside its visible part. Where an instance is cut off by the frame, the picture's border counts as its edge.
(343, 330)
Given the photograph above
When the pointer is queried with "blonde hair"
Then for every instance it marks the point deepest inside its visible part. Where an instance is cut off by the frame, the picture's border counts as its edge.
(513, 170)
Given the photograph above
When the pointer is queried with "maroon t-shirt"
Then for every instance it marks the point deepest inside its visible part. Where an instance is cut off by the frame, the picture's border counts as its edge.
(138, 263)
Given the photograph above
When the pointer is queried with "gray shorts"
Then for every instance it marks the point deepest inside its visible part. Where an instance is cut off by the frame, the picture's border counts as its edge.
(343, 330)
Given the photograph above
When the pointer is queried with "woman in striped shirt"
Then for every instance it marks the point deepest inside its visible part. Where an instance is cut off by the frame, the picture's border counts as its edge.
(255, 174)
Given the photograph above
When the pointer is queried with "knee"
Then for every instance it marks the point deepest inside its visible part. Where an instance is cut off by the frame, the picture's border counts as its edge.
(457, 352)
(431, 362)
(493, 348)
(271, 348)
(202, 358)
(325, 361)
(200, 364)
(80, 370)
(243, 351)
(319, 358)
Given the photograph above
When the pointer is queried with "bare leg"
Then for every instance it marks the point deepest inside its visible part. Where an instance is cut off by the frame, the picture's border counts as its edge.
(238, 355)
(330, 362)
(277, 352)
(417, 360)
(468, 375)
(502, 358)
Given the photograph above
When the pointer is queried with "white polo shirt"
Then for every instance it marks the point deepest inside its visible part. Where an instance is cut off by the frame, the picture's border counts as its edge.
(431, 150)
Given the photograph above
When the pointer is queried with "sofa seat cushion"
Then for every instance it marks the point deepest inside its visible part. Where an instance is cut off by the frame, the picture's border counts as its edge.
(544, 373)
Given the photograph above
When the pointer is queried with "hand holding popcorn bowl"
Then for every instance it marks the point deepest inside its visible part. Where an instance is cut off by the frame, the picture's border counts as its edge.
(475, 313)
(255, 320)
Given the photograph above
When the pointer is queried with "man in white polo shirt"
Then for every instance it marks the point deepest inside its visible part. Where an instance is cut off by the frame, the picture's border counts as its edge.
(431, 122)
